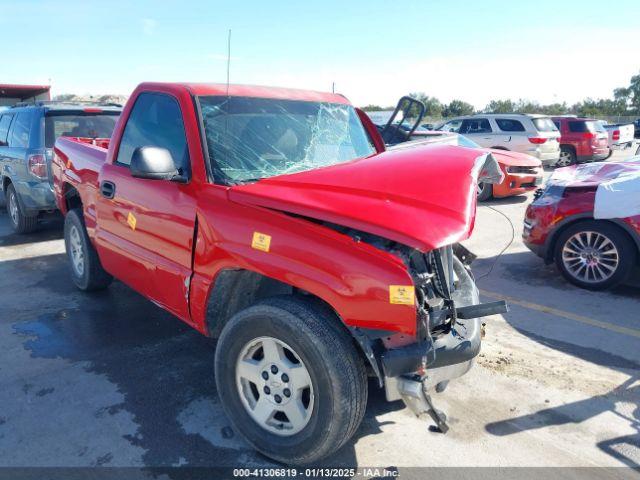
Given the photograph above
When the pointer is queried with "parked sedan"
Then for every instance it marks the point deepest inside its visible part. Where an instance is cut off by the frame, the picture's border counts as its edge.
(587, 220)
(534, 135)
(522, 173)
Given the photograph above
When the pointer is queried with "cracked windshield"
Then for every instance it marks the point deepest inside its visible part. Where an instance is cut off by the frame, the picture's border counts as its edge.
(253, 138)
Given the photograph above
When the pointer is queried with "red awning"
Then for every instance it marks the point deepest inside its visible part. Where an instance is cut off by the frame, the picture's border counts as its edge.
(22, 92)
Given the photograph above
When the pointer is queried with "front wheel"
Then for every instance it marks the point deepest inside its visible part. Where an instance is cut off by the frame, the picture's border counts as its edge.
(595, 255)
(484, 191)
(86, 271)
(290, 379)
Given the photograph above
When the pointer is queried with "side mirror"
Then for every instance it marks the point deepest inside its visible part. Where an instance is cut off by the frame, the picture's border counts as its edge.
(153, 163)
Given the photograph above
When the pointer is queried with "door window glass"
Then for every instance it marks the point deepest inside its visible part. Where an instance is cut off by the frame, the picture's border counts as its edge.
(475, 125)
(5, 122)
(509, 125)
(19, 136)
(155, 121)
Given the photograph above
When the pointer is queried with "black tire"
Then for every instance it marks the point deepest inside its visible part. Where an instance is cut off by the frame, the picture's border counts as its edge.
(638, 150)
(609, 154)
(20, 222)
(337, 373)
(627, 253)
(93, 276)
(485, 191)
(567, 156)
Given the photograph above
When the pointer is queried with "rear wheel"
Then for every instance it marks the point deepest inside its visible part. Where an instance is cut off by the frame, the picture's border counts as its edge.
(567, 157)
(484, 191)
(595, 255)
(86, 271)
(290, 379)
(20, 222)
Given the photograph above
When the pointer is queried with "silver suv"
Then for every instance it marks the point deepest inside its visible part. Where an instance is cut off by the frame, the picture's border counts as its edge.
(535, 135)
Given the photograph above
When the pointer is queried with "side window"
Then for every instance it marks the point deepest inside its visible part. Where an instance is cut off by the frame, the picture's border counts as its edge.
(508, 125)
(5, 123)
(475, 125)
(578, 127)
(557, 124)
(155, 120)
(452, 126)
(19, 136)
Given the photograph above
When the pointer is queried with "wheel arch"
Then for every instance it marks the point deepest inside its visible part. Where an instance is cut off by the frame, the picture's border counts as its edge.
(71, 198)
(623, 227)
(254, 287)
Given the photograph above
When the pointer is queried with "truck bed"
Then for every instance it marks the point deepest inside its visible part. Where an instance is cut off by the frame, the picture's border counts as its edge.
(76, 164)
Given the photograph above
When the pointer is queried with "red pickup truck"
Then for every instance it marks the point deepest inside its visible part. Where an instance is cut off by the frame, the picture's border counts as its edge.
(274, 220)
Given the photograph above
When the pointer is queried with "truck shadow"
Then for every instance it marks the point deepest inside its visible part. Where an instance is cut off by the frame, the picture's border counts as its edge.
(49, 228)
(513, 276)
(162, 368)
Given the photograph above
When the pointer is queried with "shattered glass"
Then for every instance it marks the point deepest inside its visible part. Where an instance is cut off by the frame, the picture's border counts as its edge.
(253, 138)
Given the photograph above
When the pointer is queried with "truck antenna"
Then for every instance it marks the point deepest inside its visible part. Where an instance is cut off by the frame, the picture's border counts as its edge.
(228, 59)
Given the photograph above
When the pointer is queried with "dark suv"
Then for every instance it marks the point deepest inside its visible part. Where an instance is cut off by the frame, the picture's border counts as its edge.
(27, 135)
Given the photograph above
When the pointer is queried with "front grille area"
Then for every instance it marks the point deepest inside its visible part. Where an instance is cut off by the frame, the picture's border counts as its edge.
(524, 170)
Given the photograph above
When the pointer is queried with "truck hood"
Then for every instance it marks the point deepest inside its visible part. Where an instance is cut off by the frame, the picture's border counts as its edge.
(422, 196)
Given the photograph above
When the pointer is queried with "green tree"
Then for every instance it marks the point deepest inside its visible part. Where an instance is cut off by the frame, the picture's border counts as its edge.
(457, 108)
(500, 106)
(372, 108)
(629, 96)
(433, 106)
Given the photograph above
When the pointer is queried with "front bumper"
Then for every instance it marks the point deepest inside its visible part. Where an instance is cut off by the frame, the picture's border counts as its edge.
(449, 355)
(515, 184)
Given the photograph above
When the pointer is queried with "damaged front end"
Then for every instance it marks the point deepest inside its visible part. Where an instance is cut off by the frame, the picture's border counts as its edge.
(450, 330)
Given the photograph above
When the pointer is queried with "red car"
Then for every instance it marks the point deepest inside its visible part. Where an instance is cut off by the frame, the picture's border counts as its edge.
(587, 220)
(274, 220)
(581, 140)
(522, 173)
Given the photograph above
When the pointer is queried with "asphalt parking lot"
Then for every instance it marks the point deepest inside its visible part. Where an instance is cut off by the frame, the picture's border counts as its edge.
(110, 379)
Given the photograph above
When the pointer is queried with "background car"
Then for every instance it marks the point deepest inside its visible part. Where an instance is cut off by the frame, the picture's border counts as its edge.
(593, 239)
(522, 173)
(534, 135)
(581, 140)
(27, 135)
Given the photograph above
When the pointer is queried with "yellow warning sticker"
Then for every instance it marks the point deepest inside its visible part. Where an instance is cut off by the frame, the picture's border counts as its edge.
(131, 220)
(402, 294)
(261, 241)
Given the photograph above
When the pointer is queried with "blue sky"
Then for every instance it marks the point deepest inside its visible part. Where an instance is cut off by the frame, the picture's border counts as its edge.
(374, 51)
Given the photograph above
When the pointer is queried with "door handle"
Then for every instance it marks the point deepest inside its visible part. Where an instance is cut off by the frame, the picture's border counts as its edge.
(108, 189)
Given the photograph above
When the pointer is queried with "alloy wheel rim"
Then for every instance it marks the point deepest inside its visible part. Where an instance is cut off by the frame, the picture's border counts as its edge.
(565, 159)
(75, 250)
(590, 257)
(275, 386)
(13, 208)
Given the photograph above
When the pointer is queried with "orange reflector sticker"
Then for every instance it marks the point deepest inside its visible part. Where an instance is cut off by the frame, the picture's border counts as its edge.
(261, 241)
(131, 220)
(402, 294)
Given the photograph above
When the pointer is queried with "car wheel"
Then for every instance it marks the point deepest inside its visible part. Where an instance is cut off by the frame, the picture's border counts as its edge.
(290, 379)
(595, 255)
(567, 157)
(20, 222)
(638, 150)
(484, 191)
(610, 153)
(86, 271)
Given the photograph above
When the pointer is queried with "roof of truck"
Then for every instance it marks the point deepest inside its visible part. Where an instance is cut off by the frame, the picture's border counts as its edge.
(258, 91)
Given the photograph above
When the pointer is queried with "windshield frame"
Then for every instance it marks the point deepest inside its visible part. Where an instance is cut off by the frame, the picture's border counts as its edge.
(217, 176)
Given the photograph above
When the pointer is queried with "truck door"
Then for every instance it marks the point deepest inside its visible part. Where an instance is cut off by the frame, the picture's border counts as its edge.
(145, 227)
